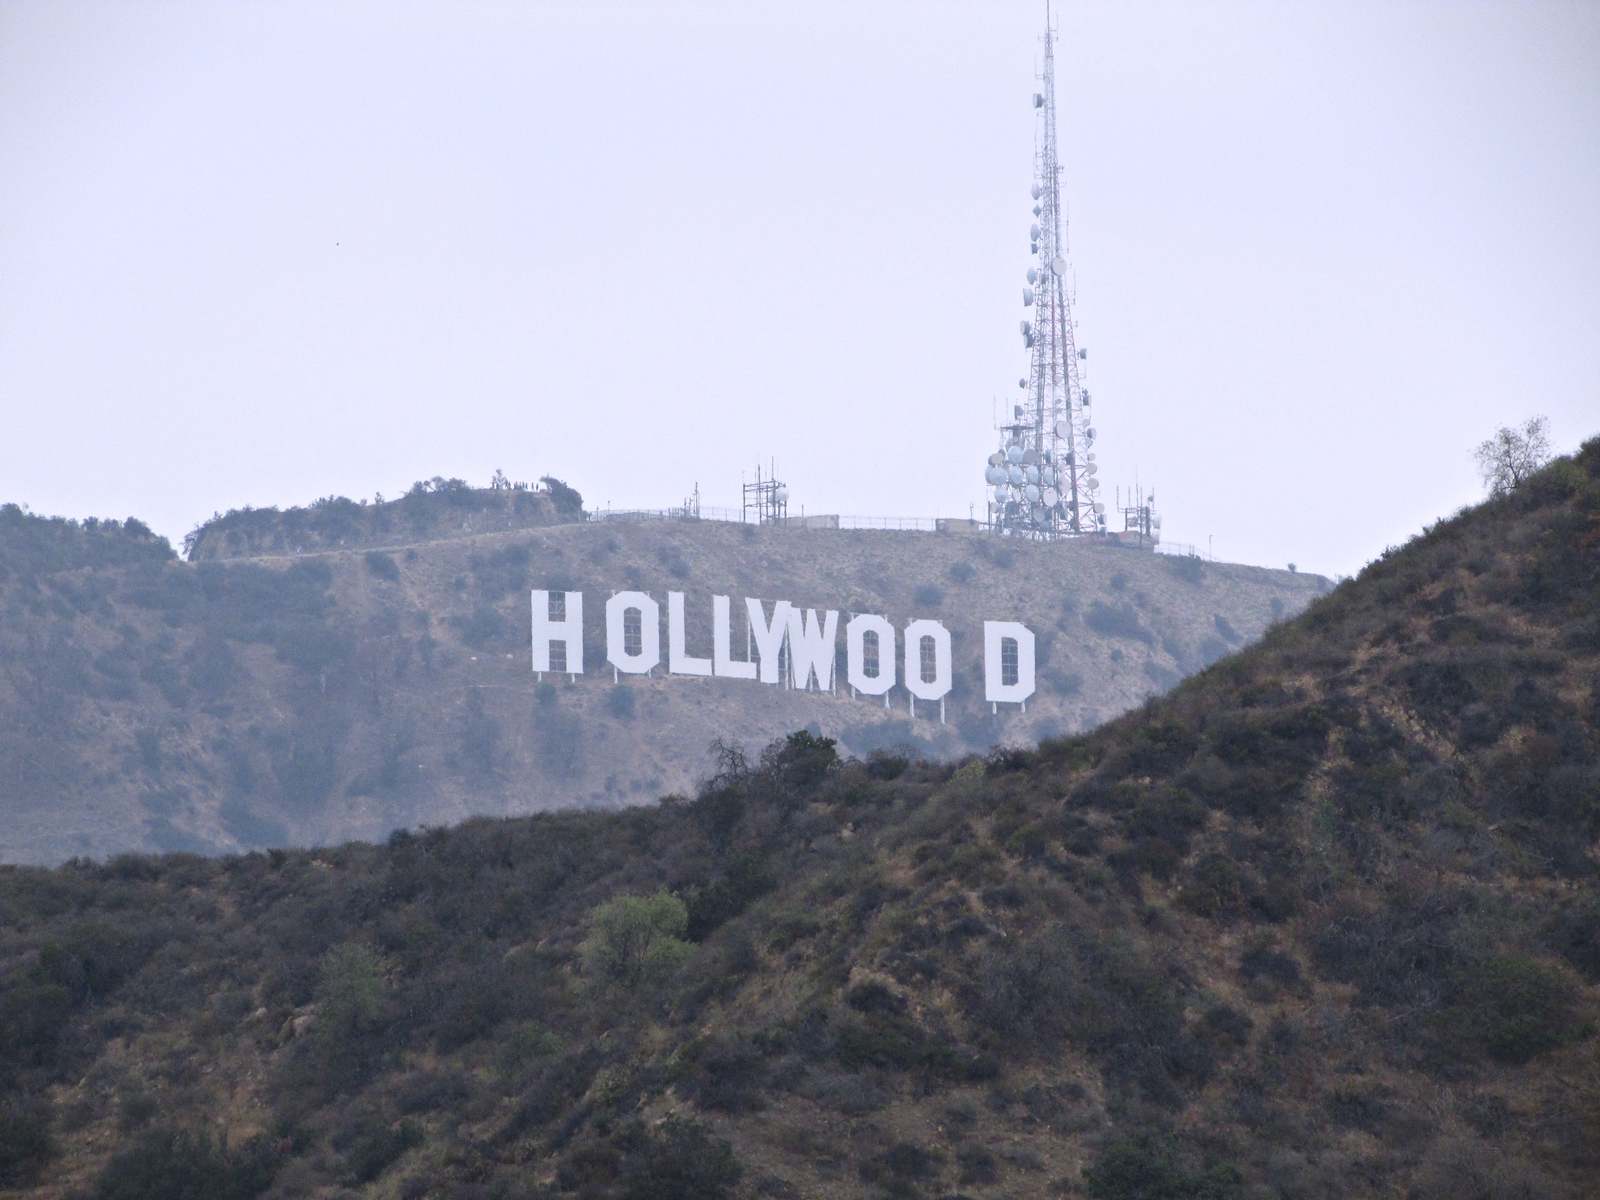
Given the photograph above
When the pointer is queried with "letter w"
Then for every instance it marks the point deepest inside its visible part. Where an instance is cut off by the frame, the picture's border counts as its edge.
(813, 642)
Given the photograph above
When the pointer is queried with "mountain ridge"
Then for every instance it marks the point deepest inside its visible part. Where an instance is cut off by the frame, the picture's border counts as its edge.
(1319, 922)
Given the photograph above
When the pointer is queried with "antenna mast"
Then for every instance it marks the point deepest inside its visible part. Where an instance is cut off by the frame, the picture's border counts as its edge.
(1043, 476)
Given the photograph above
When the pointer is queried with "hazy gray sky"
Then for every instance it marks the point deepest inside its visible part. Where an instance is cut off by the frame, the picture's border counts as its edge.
(256, 253)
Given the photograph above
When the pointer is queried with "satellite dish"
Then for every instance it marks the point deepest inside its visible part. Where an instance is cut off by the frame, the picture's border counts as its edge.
(1027, 297)
(1033, 233)
(1014, 454)
(1032, 493)
(1100, 508)
(1051, 497)
(1047, 476)
(1090, 456)
(1092, 468)
(1015, 475)
(781, 495)
(1092, 484)
(995, 475)
(1033, 276)
(1059, 266)
(996, 459)
(1022, 383)
(1037, 191)
(1030, 456)
(1026, 329)
(1000, 495)
(1089, 433)
(1032, 473)
(1063, 429)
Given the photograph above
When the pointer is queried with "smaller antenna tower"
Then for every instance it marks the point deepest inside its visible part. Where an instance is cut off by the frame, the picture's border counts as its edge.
(767, 498)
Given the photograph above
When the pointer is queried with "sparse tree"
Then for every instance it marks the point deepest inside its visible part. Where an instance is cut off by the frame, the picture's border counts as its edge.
(635, 939)
(566, 499)
(1507, 459)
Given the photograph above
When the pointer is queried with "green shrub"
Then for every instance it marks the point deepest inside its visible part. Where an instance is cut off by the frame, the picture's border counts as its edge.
(635, 940)
(1512, 1007)
(350, 993)
(527, 1041)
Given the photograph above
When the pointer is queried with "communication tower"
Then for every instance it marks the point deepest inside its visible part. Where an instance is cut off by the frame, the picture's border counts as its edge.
(1042, 480)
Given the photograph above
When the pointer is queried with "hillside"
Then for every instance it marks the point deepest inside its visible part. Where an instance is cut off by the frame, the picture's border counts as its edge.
(1321, 922)
(243, 701)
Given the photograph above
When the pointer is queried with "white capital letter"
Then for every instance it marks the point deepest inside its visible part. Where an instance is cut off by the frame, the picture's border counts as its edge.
(995, 654)
(649, 633)
(855, 656)
(564, 625)
(722, 643)
(813, 641)
(918, 634)
(679, 663)
(769, 638)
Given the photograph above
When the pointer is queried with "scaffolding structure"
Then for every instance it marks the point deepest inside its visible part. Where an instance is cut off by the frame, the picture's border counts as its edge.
(767, 499)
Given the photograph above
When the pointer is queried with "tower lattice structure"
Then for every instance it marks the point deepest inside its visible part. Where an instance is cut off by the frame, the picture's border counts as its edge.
(1042, 479)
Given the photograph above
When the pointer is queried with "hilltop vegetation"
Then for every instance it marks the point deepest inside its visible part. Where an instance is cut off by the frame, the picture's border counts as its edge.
(241, 702)
(432, 508)
(1321, 922)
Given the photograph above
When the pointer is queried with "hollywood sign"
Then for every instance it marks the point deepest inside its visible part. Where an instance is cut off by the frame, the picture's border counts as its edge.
(794, 646)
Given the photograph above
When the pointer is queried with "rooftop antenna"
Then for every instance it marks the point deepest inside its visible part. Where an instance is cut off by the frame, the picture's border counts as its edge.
(1042, 479)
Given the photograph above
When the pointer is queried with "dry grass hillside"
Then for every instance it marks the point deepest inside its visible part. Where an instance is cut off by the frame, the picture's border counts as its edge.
(237, 702)
(1322, 922)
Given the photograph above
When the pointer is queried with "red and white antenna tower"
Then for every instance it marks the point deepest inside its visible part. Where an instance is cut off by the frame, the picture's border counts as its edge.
(1042, 479)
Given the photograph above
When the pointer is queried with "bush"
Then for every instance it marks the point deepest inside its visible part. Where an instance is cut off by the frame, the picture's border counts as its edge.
(620, 702)
(1186, 567)
(374, 1146)
(746, 881)
(1139, 1169)
(382, 565)
(25, 1141)
(1464, 1169)
(635, 940)
(483, 758)
(680, 1161)
(1118, 620)
(179, 1165)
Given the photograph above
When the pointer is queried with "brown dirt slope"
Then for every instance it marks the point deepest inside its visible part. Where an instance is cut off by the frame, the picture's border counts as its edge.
(151, 704)
(1321, 922)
